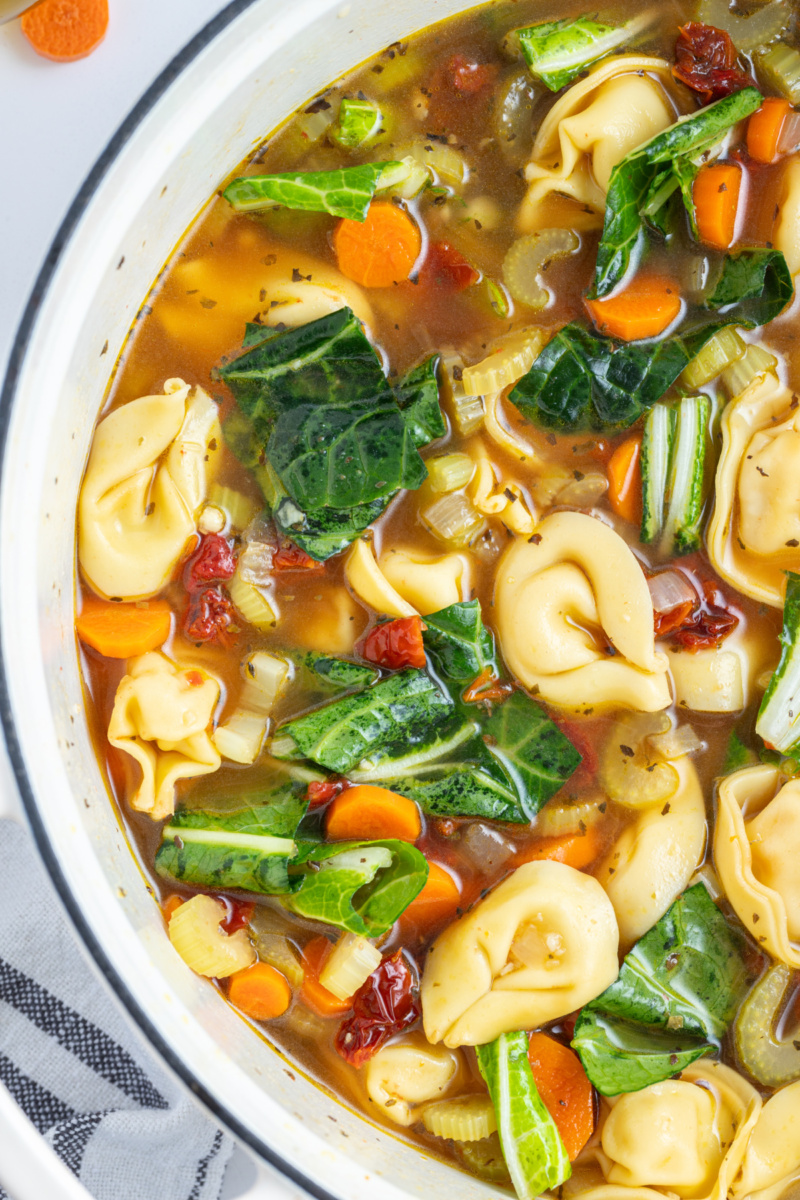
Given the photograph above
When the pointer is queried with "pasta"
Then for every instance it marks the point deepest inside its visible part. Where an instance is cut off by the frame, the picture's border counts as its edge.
(161, 717)
(653, 860)
(755, 527)
(499, 497)
(427, 583)
(787, 229)
(772, 1159)
(370, 584)
(620, 104)
(684, 1136)
(542, 944)
(136, 512)
(553, 592)
(756, 847)
(405, 1076)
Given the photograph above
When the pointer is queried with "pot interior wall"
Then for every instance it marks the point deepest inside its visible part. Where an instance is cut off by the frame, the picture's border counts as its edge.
(265, 59)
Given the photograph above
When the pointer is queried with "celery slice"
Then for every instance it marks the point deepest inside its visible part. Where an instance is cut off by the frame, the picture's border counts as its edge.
(357, 124)
(778, 720)
(779, 67)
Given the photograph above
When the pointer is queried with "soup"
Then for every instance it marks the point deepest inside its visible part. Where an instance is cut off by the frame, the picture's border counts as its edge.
(438, 592)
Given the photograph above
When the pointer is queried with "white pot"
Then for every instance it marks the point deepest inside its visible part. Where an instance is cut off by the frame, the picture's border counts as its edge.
(251, 67)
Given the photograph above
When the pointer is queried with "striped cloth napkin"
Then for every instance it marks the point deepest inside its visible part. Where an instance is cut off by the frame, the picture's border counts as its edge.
(75, 1065)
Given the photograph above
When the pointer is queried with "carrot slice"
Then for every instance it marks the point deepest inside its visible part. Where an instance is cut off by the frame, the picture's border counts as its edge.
(625, 480)
(314, 995)
(565, 1090)
(575, 849)
(380, 251)
(66, 30)
(369, 813)
(435, 905)
(170, 906)
(260, 992)
(644, 309)
(764, 129)
(124, 630)
(716, 201)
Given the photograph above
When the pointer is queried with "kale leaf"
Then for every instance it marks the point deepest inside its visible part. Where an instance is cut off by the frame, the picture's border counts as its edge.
(535, 753)
(557, 51)
(340, 671)
(755, 286)
(459, 643)
(676, 994)
(346, 192)
(418, 396)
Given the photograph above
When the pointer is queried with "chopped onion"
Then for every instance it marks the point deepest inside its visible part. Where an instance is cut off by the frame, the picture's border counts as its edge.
(789, 140)
(584, 492)
(748, 33)
(529, 256)
(669, 590)
(453, 519)
(675, 743)
(487, 848)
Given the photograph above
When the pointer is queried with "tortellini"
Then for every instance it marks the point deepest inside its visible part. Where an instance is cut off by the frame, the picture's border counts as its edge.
(428, 582)
(575, 618)
(684, 1137)
(499, 498)
(596, 123)
(787, 230)
(369, 583)
(772, 1159)
(541, 944)
(653, 860)
(161, 717)
(408, 1074)
(754, 533)
(145, 483)
(757, 849)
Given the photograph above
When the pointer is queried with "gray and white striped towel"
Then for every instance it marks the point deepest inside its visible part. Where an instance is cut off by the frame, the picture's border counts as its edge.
(77, 1068)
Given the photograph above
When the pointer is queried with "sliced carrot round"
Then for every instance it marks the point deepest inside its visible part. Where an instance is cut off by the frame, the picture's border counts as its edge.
(435, 905)
(381, 250)
(170, 906)
(565, 1090)
(260, 992)
(313, 994)
(369, 813)
(66, 30)
(644, 309)
(123, 630)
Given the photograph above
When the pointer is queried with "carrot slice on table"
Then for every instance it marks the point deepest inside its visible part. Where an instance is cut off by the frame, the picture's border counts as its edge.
(575, 849)
(369, 813)
(625, 480)
(565, 1090)
(435, 904)
(380, 251)
(644, 309)
(66, 30)
(260, 992)
(124, 630)
(314, 995)
(716, 201)
(764, 129)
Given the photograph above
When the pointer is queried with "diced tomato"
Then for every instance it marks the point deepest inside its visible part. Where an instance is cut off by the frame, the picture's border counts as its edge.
(322, 791)
(446, 268)
(469, 77)
(240, 913)
(385, 1005)
(213, 561)
(705, 624)
(706, 61)
(209, 616)
(289, 557)
(396, 644)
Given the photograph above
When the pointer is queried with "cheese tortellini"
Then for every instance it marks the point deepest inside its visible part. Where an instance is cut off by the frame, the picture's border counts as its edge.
(575, 618)
(754, 533)
(787, 230)
(684, 1137)
(145, 484)
(653, 860)
(619, 105)
(542, 944)
(498, 497)
(757, 849)
(161, 717)
(408, 1074)
(428, 582)
(772, 1160)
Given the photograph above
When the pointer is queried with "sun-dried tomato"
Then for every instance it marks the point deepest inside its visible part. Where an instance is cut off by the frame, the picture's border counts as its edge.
(240, 913)
(212, 562)
(289, 557)
(469, 77)
(708, 626)
(487, 686)
(386, 1004)
(209, 615)
(446, 268)
(396, 644)
(673, 618)
(705, 60)
(321, 791)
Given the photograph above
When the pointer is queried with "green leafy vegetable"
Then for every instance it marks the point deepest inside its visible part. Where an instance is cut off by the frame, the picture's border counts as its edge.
(340, 671)
(737, 755)
(346, 192)
(535, 753)
(249, 848)
(673, 474)
(459, 643)
(645, 173)
(535, 1155)
(418, 397)
(756, 285)
(357, 124)
(557, 51)
(400, 710)
(676, 994)
(778, 721)
(362, 887)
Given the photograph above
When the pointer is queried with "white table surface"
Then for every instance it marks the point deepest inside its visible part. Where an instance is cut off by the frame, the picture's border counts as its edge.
(55, 119)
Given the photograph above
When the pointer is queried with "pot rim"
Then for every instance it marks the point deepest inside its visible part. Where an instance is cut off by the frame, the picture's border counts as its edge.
(14, 370)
